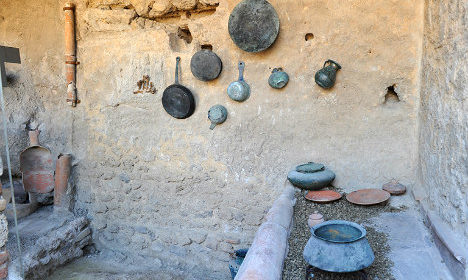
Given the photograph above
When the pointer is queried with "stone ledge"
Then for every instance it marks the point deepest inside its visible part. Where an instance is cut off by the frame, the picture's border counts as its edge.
(48, 239)
(454, 256)
(265, 258)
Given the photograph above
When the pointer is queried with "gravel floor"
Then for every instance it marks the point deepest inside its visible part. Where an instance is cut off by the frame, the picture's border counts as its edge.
(295, 266)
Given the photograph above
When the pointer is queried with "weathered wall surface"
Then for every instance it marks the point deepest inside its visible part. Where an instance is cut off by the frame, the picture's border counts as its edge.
(443, 135)
(175, 190)
(34, 92)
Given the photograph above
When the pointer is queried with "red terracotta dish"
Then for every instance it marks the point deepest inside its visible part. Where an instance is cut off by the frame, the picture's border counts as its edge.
(368, 196)
(322, 196)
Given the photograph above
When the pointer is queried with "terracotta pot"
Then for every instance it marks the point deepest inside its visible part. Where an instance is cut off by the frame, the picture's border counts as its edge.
(62, 173)
(36, 166)
(315, 219)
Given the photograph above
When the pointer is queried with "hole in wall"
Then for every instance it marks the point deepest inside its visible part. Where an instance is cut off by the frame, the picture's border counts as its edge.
(184, 33)
(392, 95)
(207, 47)
(369, 51)
(174, 42)
(11, 79)
(309, 36)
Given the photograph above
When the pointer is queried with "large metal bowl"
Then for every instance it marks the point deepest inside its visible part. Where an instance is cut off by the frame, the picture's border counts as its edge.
(338, 246)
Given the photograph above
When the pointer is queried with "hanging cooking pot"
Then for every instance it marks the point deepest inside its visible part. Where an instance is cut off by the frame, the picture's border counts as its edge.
(326, 76)
(217, 115)
(254, 25)
(206, 65)
(178, 100)
(278, 78)
(239, 90)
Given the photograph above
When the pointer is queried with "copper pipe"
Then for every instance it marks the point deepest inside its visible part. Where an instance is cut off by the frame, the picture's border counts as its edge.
(70, 53)
(62, 173)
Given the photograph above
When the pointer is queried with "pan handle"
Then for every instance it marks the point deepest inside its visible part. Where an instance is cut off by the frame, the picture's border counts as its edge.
(177, 70)
(241, 70)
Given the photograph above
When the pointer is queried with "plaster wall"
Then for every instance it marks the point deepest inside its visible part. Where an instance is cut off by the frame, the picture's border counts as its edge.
(443, 137)
(175, 190)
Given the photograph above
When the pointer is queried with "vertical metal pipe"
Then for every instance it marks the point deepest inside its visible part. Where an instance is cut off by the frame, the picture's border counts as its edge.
(62, 173)
(70, 53)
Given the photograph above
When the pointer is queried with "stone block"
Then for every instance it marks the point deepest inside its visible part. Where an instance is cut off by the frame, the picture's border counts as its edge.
(4, 257)
(82, 234)
(184, 4)
(142, 7)
(4, 271)
(3, 230)
(158, 9)
(209, 2)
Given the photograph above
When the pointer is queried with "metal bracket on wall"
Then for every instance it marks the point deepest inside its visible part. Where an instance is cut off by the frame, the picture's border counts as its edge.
(8, 54)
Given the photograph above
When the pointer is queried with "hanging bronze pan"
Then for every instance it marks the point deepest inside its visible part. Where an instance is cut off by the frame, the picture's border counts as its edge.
(206, 65)
(254, 25)
(178, 100)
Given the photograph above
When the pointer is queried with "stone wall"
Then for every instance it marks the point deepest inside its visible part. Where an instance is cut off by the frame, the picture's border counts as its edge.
(443, 137)
(34, 89)
(48, 240)
(175, 190)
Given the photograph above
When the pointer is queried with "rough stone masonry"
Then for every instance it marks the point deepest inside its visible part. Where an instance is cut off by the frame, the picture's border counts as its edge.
(157, 188)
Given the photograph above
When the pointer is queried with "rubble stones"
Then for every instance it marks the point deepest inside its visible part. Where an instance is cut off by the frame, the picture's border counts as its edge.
(3, 230)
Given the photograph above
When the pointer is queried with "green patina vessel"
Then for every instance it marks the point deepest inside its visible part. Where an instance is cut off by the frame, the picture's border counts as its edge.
(326, 76)
(310, 167)
(217, 115)
(311, 176)
(239, 90)
(338, 246)
(278, 78)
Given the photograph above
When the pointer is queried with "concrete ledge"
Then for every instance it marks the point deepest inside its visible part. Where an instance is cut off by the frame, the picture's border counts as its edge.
(266, 255)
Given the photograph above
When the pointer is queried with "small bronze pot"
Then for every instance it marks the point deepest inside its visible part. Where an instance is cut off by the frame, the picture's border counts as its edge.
(326, 76)
(278, 78)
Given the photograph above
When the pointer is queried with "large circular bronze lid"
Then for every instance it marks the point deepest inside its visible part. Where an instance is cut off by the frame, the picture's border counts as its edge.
(254, 25)
(368, 196)
(322, 196)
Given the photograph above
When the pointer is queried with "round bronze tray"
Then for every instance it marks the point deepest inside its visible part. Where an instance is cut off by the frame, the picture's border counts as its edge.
(322, 196)
(254, 25)
(368, 196)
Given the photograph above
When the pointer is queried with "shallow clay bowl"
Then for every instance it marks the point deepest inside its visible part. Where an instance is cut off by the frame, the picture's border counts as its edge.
(322, 196)
(368, 196)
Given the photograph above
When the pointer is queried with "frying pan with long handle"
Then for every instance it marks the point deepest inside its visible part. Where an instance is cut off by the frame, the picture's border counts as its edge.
(178, 100)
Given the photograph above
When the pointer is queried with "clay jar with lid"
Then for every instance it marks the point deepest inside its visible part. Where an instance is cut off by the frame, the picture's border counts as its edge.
(315, 219)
